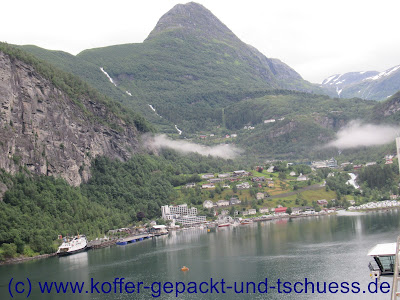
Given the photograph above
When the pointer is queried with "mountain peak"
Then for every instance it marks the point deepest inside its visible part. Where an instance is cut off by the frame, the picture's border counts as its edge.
(192, 19)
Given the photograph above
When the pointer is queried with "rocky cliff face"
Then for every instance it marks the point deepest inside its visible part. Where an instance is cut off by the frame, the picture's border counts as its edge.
(43, 129)
(388, 109)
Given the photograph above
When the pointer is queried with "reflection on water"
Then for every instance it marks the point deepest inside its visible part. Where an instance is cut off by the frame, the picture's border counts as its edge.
(74, 262)
(327, 248)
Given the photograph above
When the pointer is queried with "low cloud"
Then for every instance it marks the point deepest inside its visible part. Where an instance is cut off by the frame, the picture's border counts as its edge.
(356, 134)
(224, 150)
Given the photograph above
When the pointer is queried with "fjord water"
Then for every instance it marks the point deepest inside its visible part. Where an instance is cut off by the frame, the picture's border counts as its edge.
(328, 248)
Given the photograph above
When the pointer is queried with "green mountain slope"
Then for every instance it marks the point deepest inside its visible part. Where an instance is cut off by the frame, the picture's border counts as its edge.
(191, 65)
(194, 72)
(93, 75)
(291, 125)
(72, 64)
(387, 111)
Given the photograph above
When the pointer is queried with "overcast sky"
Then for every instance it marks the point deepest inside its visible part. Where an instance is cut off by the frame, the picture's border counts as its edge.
(316, 38)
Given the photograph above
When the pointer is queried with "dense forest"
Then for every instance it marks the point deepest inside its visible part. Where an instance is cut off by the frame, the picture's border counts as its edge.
(379, 179)
(35, 209)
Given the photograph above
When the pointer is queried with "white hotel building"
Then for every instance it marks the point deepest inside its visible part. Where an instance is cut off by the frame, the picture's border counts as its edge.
(182, 214)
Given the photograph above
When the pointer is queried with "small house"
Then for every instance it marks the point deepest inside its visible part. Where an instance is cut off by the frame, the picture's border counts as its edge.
(242, 186)
(208, 204)
(208, 186)
(224, 175)
(234, 201)
(240, 173)
(207, 176)
(280, 210)
(258, 179)
(260, 196)
(222, 203)
(322, 202)
(302, 177)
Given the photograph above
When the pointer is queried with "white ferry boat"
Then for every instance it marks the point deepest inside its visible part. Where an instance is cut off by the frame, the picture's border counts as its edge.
(73, 245)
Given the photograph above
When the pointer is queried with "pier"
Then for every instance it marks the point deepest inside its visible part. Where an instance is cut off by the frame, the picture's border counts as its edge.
(101, 244)
(134, 238)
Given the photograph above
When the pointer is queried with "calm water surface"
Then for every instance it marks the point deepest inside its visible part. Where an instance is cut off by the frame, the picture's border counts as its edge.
(330, 248)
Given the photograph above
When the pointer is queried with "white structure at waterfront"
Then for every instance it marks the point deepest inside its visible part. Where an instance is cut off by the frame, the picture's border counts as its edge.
(375, 205)
(169, 212)
(182, 214)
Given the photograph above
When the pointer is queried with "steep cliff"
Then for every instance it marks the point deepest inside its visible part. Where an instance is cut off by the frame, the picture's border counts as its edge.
(42, 128)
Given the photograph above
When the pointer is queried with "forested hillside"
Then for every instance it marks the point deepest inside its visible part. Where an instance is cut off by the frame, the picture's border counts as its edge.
(35, 209)
(290, 125)
(189, 68)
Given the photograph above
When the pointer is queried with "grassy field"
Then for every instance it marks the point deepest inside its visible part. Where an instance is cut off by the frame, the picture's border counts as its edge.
(249, 200)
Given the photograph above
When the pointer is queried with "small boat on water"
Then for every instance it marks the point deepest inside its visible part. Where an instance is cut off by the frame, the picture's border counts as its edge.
(73, 245)
(244, 222)
(224, 224)
(184, 269)
(159, 230)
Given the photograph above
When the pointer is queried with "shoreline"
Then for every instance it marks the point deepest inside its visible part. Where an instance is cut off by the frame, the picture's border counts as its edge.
(112, 242)
(21, 259)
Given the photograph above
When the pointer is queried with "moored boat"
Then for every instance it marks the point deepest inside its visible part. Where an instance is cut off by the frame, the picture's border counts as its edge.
(73, 245)
(244, 222)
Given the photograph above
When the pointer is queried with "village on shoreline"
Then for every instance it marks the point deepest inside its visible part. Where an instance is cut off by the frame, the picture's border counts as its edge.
(213, 225)
(279, 192)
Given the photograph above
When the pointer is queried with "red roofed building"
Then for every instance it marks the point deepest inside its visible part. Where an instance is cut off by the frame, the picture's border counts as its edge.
(280, 210)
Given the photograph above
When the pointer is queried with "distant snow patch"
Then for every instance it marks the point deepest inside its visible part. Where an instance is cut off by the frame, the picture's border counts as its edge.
(392, 70)
(336, 79)
(326, 81)
(384, 73)
(340, 82)
(108, 76)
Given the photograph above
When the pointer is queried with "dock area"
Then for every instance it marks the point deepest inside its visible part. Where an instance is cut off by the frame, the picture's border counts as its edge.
(101, 244)
(134, 238)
